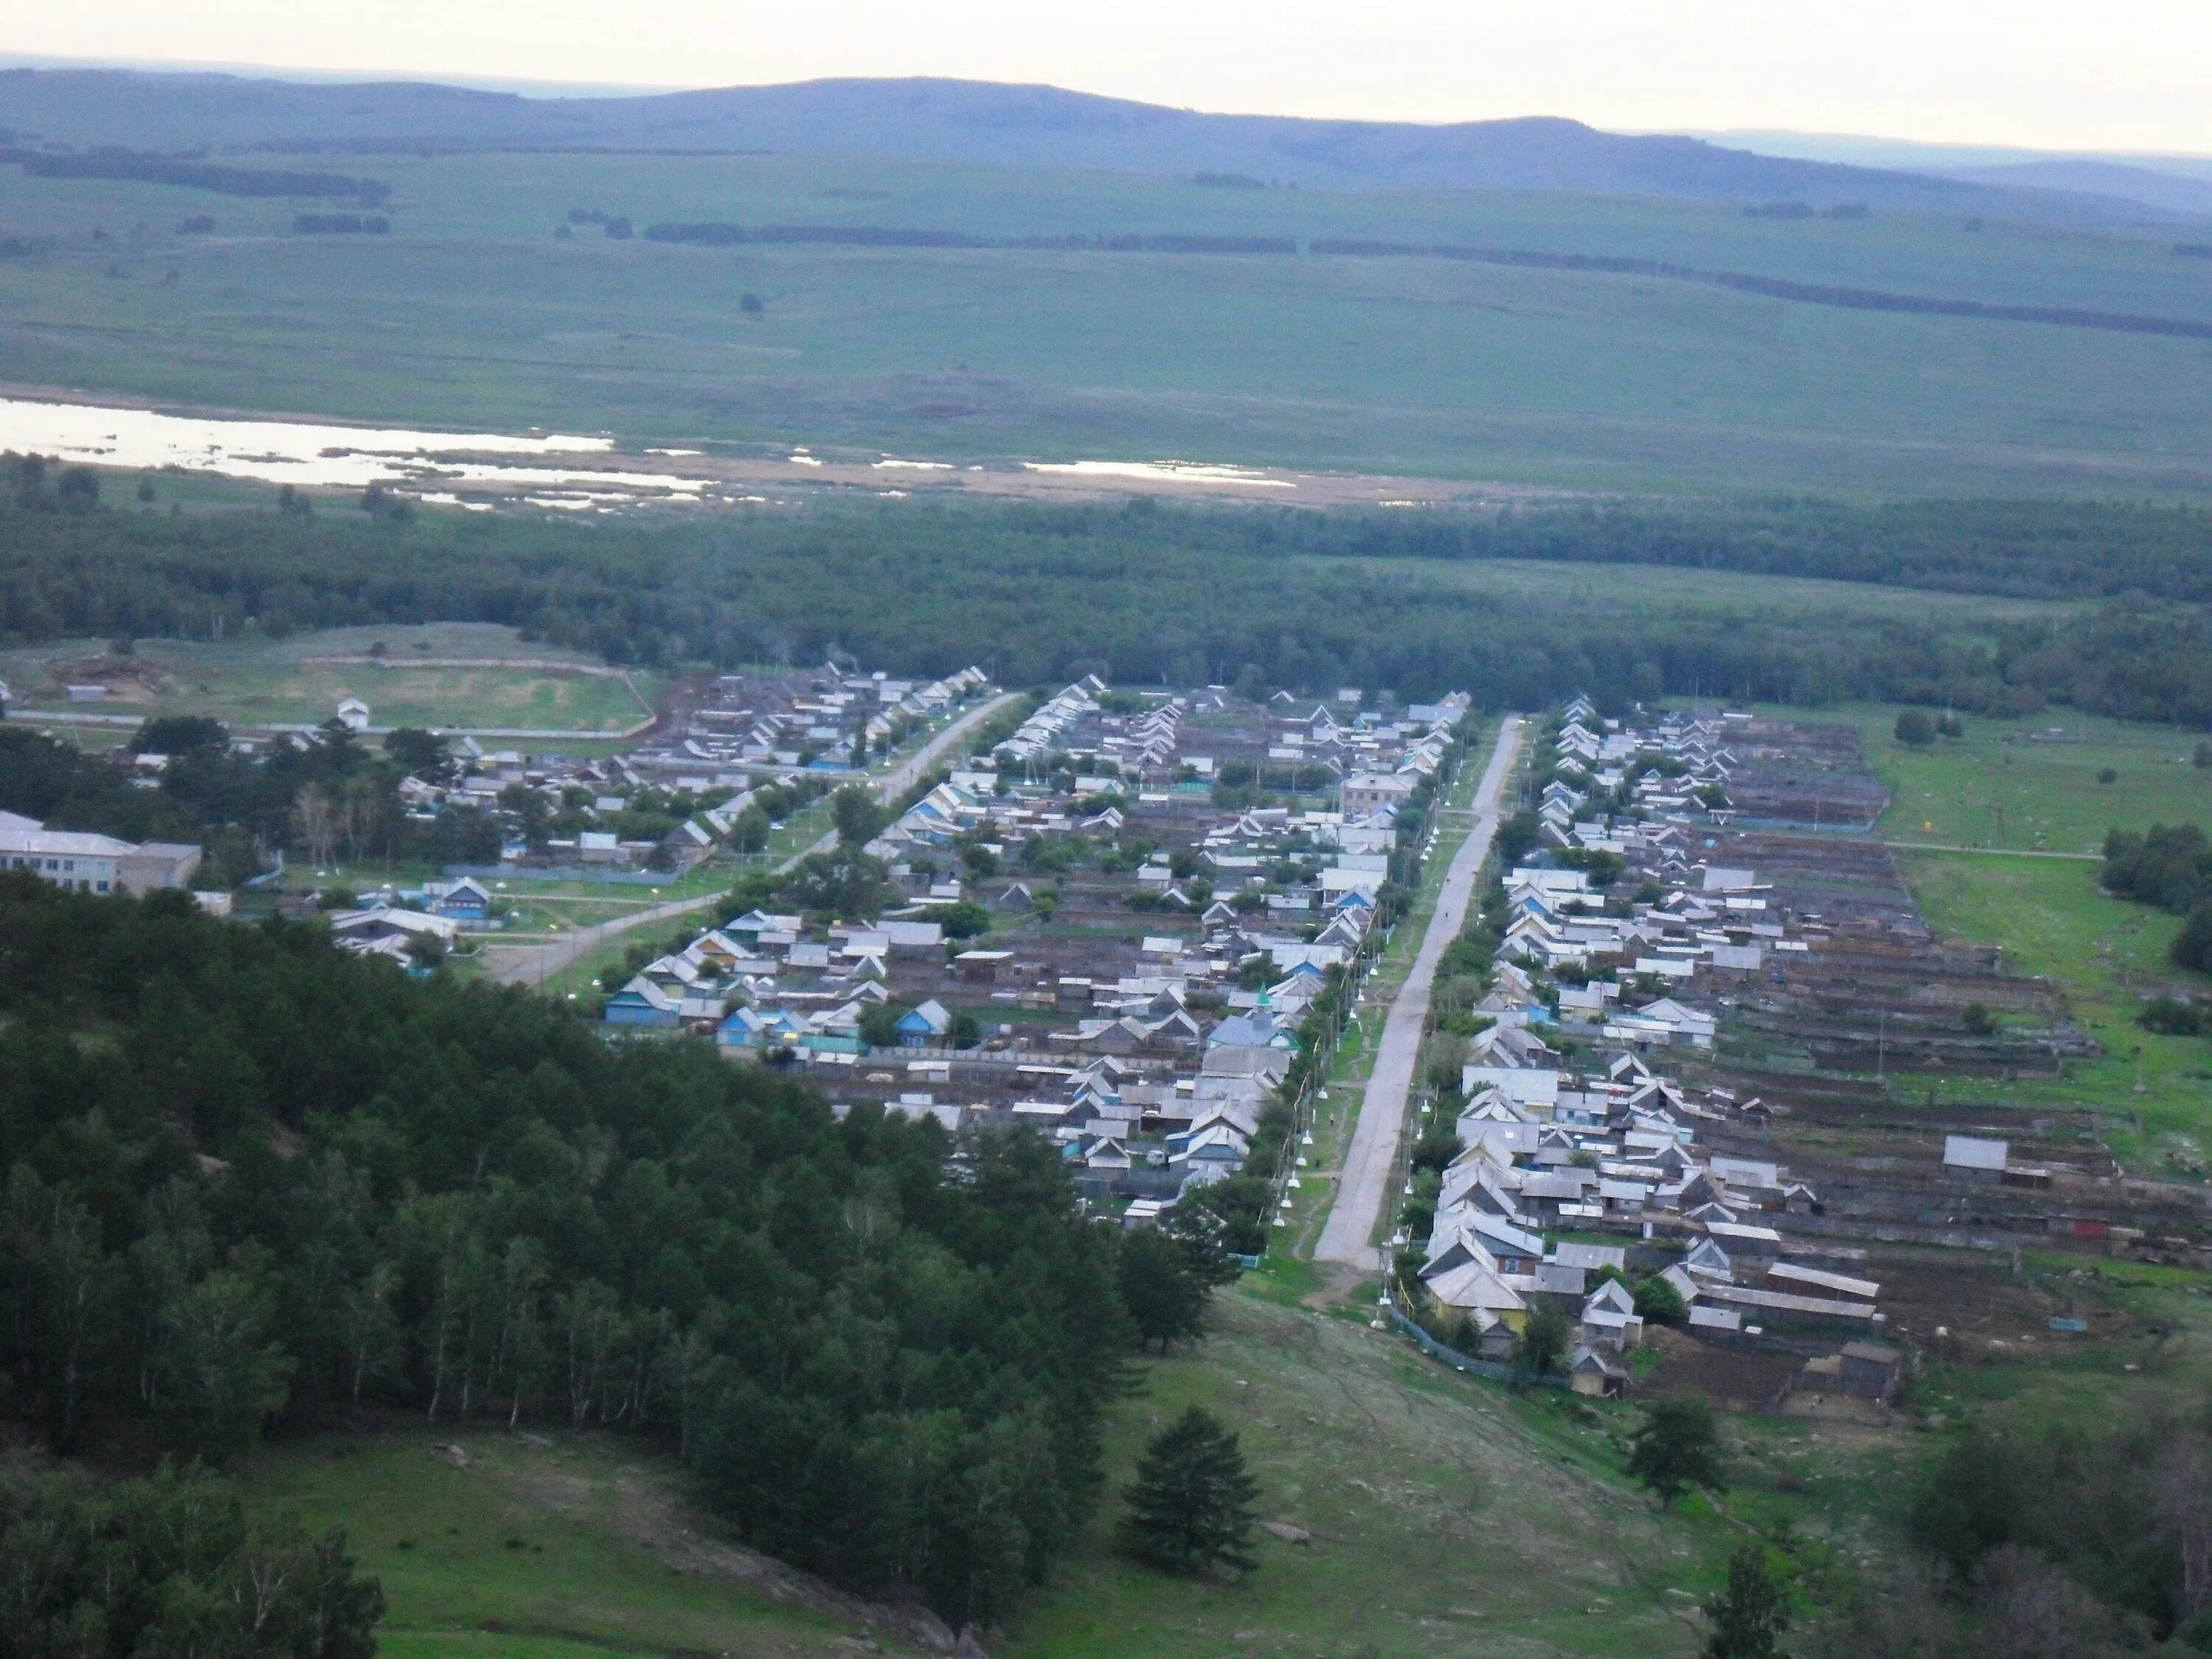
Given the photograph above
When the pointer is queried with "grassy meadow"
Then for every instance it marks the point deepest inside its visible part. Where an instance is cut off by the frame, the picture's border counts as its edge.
(442, 674)
(2035, 784)
(472, 312)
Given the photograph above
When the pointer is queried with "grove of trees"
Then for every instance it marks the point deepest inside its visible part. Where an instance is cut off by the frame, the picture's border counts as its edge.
(284, 1185)
(1145, 593)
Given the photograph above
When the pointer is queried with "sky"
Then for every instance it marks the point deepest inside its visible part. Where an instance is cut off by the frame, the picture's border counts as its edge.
(2103, 75)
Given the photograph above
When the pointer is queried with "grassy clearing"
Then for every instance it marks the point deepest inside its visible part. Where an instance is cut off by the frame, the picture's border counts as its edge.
(2003, 785)
(580, 1547)
(472, 313)
(416, 679)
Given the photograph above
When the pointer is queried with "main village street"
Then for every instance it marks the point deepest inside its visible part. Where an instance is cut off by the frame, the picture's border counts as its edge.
(535, 966)
(1347, 1237)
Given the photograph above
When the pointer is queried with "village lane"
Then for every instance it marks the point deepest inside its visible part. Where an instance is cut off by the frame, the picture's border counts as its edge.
(1351, 1221)
(535, 967)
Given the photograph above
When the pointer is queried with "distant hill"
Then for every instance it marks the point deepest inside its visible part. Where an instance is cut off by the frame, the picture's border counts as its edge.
(985, 121)
(2164, 190)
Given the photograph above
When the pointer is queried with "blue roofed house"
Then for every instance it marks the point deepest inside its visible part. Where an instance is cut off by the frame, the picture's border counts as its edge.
(924, 1027)
(464, 899)
(643, 1003)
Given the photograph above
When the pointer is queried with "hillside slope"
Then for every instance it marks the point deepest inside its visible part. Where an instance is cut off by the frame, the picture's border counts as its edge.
(976, 121)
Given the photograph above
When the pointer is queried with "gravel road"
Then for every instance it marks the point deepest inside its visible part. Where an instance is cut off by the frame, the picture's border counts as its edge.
(1351, 1226)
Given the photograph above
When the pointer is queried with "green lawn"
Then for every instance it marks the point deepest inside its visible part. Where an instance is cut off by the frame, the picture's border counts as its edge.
(471, 313)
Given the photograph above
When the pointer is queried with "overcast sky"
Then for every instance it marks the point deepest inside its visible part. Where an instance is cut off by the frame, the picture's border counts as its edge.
(2054, 74)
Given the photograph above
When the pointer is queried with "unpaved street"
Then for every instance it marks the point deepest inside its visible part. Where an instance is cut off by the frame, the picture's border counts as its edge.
(1382, 1107)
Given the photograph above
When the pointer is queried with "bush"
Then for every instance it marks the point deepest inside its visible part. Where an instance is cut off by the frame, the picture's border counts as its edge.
(2169, 865)
(2170, 1017)
(1914, 728)
(1658, 1302)
(2192, 946)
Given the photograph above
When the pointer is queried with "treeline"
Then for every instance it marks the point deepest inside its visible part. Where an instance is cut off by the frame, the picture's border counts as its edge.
(721, 234)
(2169, 865)
(250, 1180)
(1145, 594)
(169, 1565)
(324, 796)
(1778, 287)
(341, 224)
(2072, 1539)
(194, 174)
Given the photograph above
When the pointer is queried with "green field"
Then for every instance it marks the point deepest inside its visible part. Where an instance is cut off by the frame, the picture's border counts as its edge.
(472, 313)
(2107, 956)
(257, 681)
(2033, 784)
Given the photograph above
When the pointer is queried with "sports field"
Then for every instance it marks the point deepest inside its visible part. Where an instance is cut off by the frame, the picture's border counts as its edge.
(472, 313)
(442, 675)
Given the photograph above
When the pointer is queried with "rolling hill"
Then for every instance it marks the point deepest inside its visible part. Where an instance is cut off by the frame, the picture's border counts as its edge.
(964, 121)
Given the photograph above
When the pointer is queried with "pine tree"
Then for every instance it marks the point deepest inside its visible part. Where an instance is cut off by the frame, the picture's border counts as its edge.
(1191, 1505)
(1676, 1447)
(1751, 1612)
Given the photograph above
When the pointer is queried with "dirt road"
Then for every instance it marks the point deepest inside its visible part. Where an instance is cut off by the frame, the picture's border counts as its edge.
(1367, 1167)
(536, 966)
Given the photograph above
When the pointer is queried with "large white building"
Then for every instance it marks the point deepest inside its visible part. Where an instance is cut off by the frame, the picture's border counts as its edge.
(93, 864)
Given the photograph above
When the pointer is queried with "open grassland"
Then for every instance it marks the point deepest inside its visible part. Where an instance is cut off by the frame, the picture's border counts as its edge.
(1446, 1516)
(446, 674)
(472, 313)
(2034, 784)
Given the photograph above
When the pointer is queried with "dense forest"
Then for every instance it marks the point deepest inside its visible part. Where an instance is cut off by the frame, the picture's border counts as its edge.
(251, 1182)
(1145, 593)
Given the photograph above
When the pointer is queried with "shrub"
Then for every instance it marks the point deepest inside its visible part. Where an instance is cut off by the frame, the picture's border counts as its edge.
(1914, 728)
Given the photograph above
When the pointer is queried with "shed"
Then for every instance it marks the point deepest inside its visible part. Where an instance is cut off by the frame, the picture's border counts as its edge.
(1975, 1158)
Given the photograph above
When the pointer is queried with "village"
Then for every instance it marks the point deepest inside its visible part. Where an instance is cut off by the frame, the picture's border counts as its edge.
(1670, 1092)
(1652, 1146)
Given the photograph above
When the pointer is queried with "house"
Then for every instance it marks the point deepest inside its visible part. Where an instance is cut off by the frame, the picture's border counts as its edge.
(924, 1027)
(1609, 1317)
(643, 1003)
(369, 931)
(353, 714)
(1364, 792)
(1590, 1372)
(465, 899)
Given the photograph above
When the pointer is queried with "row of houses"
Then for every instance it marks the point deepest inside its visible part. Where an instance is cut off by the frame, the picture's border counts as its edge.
(1589, 1154)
